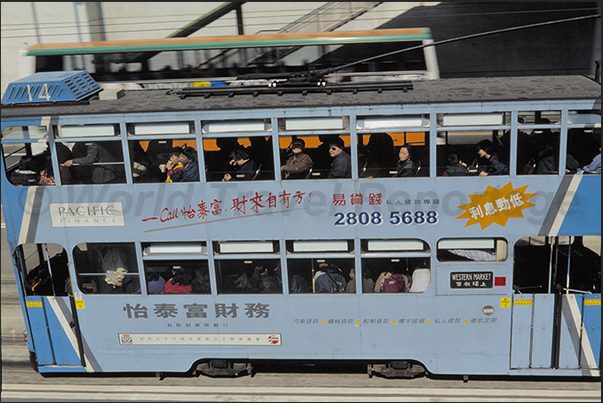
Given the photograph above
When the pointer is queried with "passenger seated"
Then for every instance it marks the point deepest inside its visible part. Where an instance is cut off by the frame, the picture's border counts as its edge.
(421, 279)
(299, 163)
(188, 158)
(341, 167)
(173, 168)
(180, 283)
(367, 282)
(379, 156)
(246, 168)
(494, 165)
(407, 167)
(329, 278)
(594, 166)
(156, 283)
(456, 167)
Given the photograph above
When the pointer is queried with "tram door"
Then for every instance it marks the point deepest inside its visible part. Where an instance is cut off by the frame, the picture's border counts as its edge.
(556, 320)
(46, 285)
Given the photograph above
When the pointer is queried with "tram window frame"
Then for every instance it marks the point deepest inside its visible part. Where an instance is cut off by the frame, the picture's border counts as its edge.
(45, 269)
(90, 277)
(255, 126)
(483, 250)
(135, 129)
(314, 124)
(218, 161)
(86, 130)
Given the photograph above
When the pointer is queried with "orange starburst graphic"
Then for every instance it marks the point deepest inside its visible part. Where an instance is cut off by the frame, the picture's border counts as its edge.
(496, 205)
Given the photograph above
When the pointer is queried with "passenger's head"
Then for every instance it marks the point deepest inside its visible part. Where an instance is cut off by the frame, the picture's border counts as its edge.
(335, 146)
(188, 154)
(485, 148)
(298, 145)
(453, 159)
(174, 155)
(406, 152)
(239, 156)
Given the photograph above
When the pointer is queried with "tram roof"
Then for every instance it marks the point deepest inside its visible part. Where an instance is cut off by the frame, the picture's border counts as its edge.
(423, 92)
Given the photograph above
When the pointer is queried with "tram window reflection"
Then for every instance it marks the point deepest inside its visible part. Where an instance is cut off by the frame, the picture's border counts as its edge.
(46, 270)
(249, 276)
(106, 268)
(472, 249)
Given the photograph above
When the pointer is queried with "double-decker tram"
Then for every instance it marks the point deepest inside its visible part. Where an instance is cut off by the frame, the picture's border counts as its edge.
(434, 227)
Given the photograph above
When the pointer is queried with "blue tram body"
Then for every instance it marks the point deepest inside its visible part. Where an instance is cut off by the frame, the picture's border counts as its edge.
(507, 292)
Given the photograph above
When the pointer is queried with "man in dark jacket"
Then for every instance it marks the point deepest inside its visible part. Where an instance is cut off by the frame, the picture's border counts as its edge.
(329, 278)
(495, 166)
(188, 158)
(341, 167)
(98, 153)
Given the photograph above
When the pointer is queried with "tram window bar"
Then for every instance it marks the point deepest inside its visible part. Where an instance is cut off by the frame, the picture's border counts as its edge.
(24, 132)
(68, 131)
(231, 126)
(470, 119)
(161, 128)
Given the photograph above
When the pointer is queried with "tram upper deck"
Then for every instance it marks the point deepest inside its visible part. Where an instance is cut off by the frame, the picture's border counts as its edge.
(431, 92)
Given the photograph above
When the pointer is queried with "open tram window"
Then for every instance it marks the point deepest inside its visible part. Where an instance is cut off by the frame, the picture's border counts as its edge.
(44, 269)
(472, 249)
(106, 268)
(566, 265)
(176, 268)
(240, 158)
(395, 265)
(320, 266)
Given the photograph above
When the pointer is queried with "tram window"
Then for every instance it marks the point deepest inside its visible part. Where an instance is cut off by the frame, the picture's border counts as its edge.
(317, 148)
(253, 160)
(177, 276)
(319, 275)
(161, 128)
(320, 246)
(314, 123)
(541, 265)
(457, 152)
(472, 249)
(106, 268)
(248, 276)
(379, 154)
(233, 126)
(470, 119)
(45, 270)
(245, 247)
(157, 160)
(412, 274)
(585, 145)
(69, 131)
(24, 132)
(28, 164)
(95, 162)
